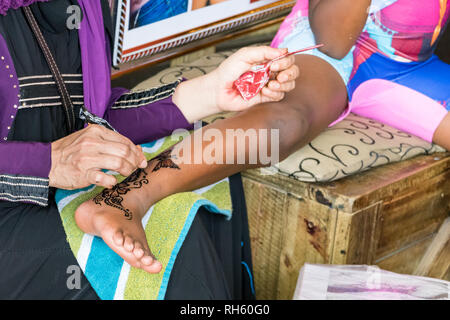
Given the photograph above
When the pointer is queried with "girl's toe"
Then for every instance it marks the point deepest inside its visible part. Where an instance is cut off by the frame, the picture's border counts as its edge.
(118, 238)
(147, 260)
(138, 250)
(129, 244)
(155, 267)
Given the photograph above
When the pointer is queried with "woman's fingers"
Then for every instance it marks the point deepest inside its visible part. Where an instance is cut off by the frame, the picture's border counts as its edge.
(125, 152)
(110, 162)
(257, 55)
(78, 158)
(282, 64)
(268, 95)
(284, 82)
(105, 149)
(284, 87)
(288, 74)
(99, 178)
(241, 61)
(127, 148)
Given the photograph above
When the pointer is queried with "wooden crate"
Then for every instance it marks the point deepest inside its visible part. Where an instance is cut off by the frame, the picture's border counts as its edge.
(387, 216)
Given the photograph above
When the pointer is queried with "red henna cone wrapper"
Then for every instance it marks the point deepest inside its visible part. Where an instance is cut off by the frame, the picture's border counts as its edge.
(252, 82)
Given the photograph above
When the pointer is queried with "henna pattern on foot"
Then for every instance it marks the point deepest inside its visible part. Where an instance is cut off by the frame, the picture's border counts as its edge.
(113, 197)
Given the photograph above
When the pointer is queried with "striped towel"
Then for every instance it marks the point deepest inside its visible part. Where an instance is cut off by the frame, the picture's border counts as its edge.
(166, 225)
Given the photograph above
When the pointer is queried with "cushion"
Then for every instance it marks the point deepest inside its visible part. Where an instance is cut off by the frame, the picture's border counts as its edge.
(190, 70)
(354, 145)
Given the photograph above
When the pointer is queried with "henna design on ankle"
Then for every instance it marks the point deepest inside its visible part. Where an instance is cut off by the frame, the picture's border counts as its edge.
(113, 197)
(164, 160)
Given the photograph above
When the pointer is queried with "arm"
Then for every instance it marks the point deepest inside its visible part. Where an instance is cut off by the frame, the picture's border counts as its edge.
(297, 120)
(337, 24)
(28, 169)
(215, 92)
(77, 159)
(147, 115)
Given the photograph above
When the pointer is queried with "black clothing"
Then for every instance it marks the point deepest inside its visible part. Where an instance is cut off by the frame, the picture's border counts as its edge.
(35, 258)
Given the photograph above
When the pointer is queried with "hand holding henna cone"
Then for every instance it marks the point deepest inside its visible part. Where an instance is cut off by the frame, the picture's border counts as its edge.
(252, 82)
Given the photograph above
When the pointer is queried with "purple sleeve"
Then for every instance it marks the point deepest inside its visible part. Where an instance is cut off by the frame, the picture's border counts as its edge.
(24, 170)
(5, 5)
(146, 115)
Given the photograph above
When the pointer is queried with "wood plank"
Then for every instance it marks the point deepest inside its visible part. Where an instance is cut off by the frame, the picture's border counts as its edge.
(357, 236)
(436, 260)
(413, 214)
(266, 214)
(360, 191)
(285, 232)
(307, 237)
(440, 268)
(405, 260)
(384, 183)
(413, 199)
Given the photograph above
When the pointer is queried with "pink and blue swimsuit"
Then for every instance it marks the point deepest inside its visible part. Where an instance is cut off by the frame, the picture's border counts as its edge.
(391, 73)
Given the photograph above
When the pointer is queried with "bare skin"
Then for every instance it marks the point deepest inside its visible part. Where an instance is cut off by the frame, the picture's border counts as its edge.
(304, 113)
(319, 99)
(78, 159)
(442, 133)
(337, 24)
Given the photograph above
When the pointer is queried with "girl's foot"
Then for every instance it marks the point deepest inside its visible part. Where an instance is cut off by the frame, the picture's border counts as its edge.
(120, 226)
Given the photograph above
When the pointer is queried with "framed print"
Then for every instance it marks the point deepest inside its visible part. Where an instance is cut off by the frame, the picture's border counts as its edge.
(147, 27)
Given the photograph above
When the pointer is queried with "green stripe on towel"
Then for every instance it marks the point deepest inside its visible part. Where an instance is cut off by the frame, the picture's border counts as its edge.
(166, 230)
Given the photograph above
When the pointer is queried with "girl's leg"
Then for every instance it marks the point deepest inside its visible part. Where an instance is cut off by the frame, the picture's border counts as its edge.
(319, 99)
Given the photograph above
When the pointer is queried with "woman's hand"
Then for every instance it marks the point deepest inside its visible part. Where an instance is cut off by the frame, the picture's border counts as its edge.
(229, 99)
(215, 92)
(77, 160)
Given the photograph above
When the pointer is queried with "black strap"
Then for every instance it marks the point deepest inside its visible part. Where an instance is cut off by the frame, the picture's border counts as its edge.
(65, 97)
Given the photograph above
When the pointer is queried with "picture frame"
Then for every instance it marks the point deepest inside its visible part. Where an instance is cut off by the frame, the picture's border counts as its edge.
(148, 27)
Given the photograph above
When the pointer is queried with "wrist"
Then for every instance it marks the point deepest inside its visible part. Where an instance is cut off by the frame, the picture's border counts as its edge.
(211, 87)
(54, 155)
(196, 98)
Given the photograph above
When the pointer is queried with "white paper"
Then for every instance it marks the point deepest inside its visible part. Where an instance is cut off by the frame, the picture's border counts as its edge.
(361, 282)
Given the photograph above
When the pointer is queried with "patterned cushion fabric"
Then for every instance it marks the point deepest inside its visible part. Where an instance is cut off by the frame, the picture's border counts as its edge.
(191, 70)
(352, 146)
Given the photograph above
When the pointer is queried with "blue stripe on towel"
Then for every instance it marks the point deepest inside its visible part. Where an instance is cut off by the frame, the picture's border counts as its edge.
(103, 269)
(187, 226)
(149, 145)
(61, 193)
